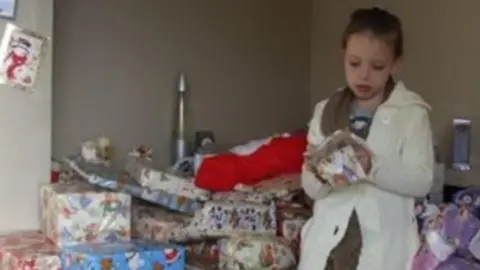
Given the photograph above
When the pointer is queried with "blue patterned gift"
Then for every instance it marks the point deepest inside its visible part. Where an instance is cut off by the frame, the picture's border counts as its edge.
(77, 212)
(123, 255)
(106, 177)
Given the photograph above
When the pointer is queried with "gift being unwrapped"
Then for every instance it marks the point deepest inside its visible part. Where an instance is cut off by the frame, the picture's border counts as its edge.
(162, 225)
(124, 255)
(253, 252)
(339, 159)
(28, 250)
(140, 167)
(224, 218)
(76, 212)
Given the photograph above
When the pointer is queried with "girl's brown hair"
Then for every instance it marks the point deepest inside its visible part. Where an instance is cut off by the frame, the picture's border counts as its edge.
(378, 22)
(382, 25)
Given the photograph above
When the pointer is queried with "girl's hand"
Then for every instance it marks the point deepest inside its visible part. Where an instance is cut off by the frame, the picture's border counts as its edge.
(340, 180)
(316, 173)
(364, 158)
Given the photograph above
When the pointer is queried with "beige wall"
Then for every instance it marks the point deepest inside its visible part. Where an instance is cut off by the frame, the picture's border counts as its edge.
(249, 63)
(441, 60)
(26, 124)
(116, 61)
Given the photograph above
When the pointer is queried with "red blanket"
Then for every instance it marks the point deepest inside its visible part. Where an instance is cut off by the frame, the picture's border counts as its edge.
(282, 155)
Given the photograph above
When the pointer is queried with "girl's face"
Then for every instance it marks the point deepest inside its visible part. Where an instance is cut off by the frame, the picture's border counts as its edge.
(368, 63)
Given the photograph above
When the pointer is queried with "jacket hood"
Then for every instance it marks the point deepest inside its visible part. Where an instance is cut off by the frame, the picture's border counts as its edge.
(402, 97)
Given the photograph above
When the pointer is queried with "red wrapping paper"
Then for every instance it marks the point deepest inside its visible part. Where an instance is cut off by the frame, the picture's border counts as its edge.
(28, 250)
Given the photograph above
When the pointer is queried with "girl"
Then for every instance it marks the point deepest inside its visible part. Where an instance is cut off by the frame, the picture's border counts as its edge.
(370, 226)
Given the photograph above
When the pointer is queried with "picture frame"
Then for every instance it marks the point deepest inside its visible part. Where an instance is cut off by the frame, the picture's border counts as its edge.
(8, 9)
(22, 51)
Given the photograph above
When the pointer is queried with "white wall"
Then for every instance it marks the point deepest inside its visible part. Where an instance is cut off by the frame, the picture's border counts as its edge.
(25, 131)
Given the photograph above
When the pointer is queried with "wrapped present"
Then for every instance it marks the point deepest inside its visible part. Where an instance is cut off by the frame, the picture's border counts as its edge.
(290, 221)
(206, 251)
(122, 181)
(223, 218)
(138, 159)
(255, 253)
(434, 250)
(455, 224)
(460, 226)
(276, 187)
(28, 250)
(457, 263)
(198, 264)
(242, 196)
(469, 198)
(341, 159)
(143, 171)
(75, 212)
(97, 151)
(124, 255)
(162, 225)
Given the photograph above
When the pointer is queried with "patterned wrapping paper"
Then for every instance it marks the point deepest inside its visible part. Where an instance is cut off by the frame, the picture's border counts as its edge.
(223, 218)
(121, 181)
(469, 198)
(432, 252)
(456, 263)
(206, 251)
(75, 212)
(460, 226)
(198, 264)
(124, 255)
(448, 230)
(26, 250)
(276, 187)
(161, 225)
(143, 172)
(255, 252)
(290, 220)
(243, 196)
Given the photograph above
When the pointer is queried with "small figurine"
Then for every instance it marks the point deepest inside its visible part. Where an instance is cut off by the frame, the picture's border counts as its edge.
(104, 148)
(97, 151)
(142, 152)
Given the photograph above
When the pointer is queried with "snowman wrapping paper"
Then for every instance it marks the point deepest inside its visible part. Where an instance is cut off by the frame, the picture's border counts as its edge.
(21, 51)
(76, 212)
(124, 255)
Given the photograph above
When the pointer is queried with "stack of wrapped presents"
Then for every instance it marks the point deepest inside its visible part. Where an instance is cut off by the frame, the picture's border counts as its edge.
(241, 209)
(140, 217)
(450, 233)
(83, 227)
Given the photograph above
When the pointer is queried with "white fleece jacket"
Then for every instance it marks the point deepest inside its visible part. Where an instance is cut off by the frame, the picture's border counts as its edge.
(401, 140)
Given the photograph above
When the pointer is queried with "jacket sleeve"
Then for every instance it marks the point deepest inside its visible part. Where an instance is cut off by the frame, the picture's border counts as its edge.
(312, 186)
(410, 172)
